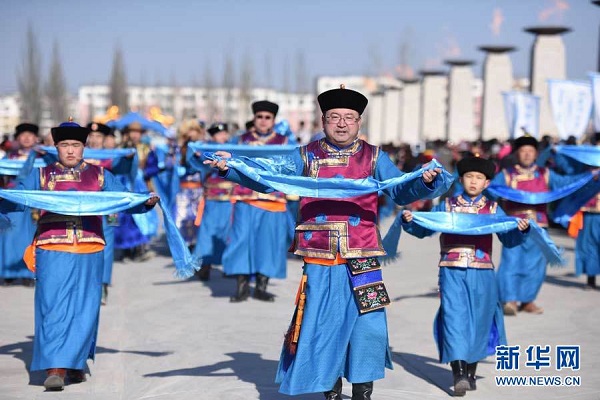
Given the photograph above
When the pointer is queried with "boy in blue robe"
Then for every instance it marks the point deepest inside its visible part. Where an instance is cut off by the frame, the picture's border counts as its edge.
(469, 323)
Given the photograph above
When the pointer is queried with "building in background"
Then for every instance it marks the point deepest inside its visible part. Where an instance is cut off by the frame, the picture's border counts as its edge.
(400, 111)
(215, 104)
(10, 114)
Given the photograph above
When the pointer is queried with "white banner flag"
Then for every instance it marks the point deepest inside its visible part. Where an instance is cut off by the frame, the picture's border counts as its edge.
(571, 104)
(595, 77)
(522, 111)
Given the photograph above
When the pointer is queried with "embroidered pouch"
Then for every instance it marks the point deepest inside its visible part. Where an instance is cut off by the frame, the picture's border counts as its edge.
(371, 297)
(362, 265)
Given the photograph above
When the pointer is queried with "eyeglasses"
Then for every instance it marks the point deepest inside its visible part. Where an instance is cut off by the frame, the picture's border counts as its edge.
(67, 145)
(267, 117)
(336, 118)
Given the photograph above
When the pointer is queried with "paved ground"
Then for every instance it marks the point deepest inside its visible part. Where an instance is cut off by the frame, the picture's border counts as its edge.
(166, 339)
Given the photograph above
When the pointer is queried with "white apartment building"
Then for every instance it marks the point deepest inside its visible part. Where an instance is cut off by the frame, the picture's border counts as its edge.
(10, 114)
(385, 119)
(210, 105)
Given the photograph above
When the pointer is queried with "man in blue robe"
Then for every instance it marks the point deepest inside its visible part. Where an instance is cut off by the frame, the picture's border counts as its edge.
(14, 241)
(343, 324)
(68, 257)
(522, 268)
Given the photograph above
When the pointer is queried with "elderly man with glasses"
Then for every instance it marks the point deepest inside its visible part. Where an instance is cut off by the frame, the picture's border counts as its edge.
(339, 329)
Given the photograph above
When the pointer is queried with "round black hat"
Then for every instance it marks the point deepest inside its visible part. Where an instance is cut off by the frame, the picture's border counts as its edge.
(342, 98)
(98, 127)
(26, 127)
(476, 164)
(70, 131)
(265, 105)
(216, 128)
(525, 141)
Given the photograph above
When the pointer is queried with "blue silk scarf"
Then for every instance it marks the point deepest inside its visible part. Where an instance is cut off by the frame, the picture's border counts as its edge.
(283, 128)
(523, 197)
(332, 188)
(104, 203)
(166, 182)
(238, 150)
(570, 205)
(473, 224)
(589, 155)
(146, 222)
(13, 167)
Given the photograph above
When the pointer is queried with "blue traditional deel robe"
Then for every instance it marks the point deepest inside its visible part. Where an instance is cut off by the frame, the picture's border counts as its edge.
(15, 240)
(386, 207)
(470, 322)
(258, 238)
(187, 206)
(67, 298)
(4, 222)
(109, 250)
(257, 242)
(166, 177)
(179, 186)
(119, 166)
(128, 233)
(213, 232)
(522, 268)
(188, 195)
(215, 229)
(587, 244)
(335, 339)
(215, 226)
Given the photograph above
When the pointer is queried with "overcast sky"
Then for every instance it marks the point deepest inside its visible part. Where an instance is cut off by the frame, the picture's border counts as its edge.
(166, 41)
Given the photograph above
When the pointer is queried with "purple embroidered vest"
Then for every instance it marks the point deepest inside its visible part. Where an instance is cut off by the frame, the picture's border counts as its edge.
(348, 226)
(106, 164)
(254, 139)
(534, 180)
(18, 155)
(592, 206)
(216, 188)
(56, 228)
(467, 251)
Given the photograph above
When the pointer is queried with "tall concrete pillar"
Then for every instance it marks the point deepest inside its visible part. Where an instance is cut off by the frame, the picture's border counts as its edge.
(434, 93)
(391, 116)
(548, 61)
(375, 118)
(461, 121)
(410, 112)
(497, 78)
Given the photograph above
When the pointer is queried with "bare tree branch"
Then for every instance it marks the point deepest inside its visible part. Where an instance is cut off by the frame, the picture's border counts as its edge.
(29, 81)
(228, 84)
(118, 83)
(301, 75)
(56, 89)
(246, 83)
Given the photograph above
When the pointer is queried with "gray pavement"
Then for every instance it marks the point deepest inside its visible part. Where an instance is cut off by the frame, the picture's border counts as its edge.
(161, 338)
